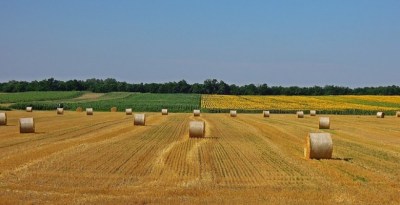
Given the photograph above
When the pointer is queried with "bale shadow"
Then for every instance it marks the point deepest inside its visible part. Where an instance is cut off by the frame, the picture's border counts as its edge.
(347, 159)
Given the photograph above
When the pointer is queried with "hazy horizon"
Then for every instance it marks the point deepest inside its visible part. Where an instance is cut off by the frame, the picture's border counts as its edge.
(280, 43)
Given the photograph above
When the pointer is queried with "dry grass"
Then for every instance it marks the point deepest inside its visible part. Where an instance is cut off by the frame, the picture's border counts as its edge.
(104, 159)
(89, 96)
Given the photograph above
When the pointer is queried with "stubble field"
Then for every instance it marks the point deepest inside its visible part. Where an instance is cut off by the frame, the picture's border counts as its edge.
(104, 158)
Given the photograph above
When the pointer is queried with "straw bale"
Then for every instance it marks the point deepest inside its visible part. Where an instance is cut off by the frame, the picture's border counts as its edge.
(26, 125)
(318, 146)
(197, 129)
(3, 118)
(324, 123)
(139, 119)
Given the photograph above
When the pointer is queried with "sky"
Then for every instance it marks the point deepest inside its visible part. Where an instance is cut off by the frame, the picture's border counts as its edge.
(351, 43)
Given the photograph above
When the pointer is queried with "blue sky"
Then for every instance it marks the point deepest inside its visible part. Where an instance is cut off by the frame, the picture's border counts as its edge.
(298, 42)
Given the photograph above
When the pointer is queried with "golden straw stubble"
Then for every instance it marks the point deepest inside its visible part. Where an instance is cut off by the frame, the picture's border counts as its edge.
(318, 146)
(197, 129)
(113, 109)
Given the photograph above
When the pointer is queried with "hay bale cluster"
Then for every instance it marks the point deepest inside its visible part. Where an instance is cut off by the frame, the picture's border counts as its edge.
(324, 123)
(233, 113)
(196, 113)
(265, 113)
(3, 118)
(300, 114)
(164, 111)
(26, 125)
(318, 146)
(197, 129)
(139, 119)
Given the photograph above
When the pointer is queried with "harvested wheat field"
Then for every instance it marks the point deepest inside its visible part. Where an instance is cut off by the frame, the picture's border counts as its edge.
(75, 159)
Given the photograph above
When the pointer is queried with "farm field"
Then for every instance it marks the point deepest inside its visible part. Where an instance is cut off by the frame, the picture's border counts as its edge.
(150, 102)
(104, 158)
(341, 104)
(103, 102)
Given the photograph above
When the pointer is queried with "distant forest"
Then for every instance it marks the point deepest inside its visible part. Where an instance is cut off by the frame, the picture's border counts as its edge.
(209, 86)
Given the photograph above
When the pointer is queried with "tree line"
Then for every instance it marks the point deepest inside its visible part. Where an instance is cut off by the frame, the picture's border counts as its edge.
(209, 86)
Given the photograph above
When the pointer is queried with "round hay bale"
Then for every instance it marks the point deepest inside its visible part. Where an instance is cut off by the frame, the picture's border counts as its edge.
(324, 123)
(29, 109)
(196, 113)
(398, 114)
(128, 111)
(313, 112)
(300, 114)
(114, 109)
(3, 118)
(60, 111)
(197, 129)
(318, 146)
(380, 115)
(164, 111)
(89, 111)
(233, 113)
(26, 125)
(79, 109)
(266, 113)
(139, 119)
